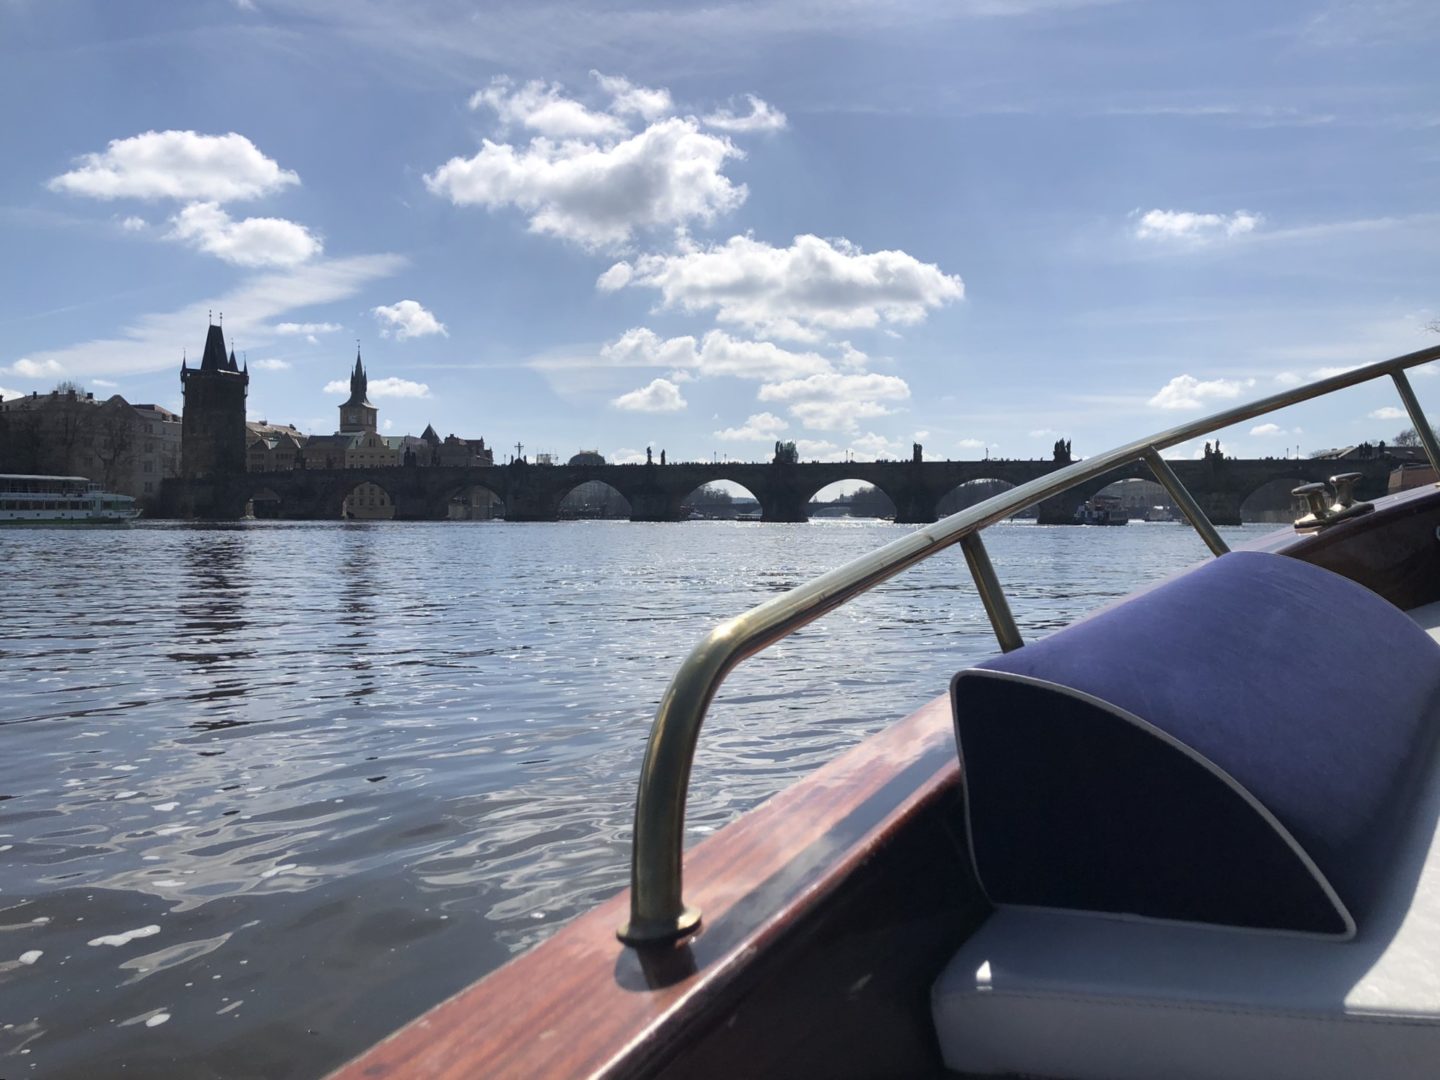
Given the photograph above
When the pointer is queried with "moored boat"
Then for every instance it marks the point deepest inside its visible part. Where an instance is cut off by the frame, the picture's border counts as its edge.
(61, 500)
(1195, 834)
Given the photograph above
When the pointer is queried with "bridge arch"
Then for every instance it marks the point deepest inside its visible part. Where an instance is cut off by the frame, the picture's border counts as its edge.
(719, 500)
(873, 498)
(263, 503)
(593, 499)
(969, 492)
(366, 500)
(471, 500)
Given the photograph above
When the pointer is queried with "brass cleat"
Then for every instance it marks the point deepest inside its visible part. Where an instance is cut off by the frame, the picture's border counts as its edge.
(1345, 505)
(1317, 495)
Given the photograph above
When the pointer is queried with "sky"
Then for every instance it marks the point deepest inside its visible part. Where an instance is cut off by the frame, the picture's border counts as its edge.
(980, 225)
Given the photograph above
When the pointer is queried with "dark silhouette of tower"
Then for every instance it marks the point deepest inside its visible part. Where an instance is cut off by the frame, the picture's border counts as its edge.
(212, 429)
(357, 415)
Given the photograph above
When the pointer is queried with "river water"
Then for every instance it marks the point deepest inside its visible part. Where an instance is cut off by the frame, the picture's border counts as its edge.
(267, 791)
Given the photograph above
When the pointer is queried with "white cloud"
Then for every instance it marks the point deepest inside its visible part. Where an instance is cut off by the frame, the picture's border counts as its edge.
(797, 292)
(272, 364)
(599, 194)
(251, 242)
(762, 117)
(818, 449)
(408, 319)
(970, 444)
(153, 341)
(661, 395)
(873, 445)
(134, 224)
(106, 383)
(1389, 412)
(759, 427)
(383, 388)
(1188, 392)
(617, 277)
(717, 353)
(306, 328)
(36, 369)
(1184, 225)
(834, 402)
(176, 165)
(1267, 429)
(6, 395)
(628, 99)
(543, 107)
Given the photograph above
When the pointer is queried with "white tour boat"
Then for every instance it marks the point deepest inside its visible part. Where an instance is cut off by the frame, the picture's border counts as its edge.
(61, 500)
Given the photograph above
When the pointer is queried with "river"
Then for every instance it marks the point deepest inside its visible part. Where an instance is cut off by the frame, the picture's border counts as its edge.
(269, 790)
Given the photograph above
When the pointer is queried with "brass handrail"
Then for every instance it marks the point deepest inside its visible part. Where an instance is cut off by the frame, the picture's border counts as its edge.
(657, 910)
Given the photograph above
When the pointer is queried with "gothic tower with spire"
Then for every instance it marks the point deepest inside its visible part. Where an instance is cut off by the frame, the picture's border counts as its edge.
(357, 415)
(212, 428)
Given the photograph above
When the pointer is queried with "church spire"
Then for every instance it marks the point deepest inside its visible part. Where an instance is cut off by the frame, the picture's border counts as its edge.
(359, 384)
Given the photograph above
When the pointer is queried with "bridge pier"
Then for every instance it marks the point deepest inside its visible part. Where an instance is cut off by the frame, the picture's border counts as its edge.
(916, 506)
(653, 506)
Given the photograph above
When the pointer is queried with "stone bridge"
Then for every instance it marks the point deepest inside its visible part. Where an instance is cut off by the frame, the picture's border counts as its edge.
(784, 490)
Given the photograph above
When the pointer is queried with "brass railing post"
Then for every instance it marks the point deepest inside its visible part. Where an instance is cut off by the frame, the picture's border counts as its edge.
(1181, 494)
(1417, 417)
(991, 594)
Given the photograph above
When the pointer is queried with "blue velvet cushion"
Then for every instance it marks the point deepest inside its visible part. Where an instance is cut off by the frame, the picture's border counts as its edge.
(1236, 746)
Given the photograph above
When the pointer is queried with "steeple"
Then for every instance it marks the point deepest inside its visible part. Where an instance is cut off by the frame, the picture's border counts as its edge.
(232, 366)
(359, 384)
(214, 358)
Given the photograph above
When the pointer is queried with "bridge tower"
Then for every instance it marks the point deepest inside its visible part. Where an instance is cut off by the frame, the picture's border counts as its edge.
(212, 425)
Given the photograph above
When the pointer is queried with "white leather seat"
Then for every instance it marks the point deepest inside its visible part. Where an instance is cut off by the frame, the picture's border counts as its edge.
(1068, 994)
(1427, 617)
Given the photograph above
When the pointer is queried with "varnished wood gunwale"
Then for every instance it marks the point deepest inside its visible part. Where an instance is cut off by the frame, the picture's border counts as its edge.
(581, 1004)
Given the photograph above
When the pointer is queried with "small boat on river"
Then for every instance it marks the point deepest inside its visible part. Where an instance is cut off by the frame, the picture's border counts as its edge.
(61, 500)
(1196, 833)
(1101, 511)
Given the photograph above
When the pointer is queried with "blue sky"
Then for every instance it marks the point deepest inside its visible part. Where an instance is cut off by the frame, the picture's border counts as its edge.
(981, 224)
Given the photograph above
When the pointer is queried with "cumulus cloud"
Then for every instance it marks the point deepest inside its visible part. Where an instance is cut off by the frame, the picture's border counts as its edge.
(599, 194)
(36, 369)
(181, 165)
(6, 395)
(306, 328)
(273, 364)
(761, 117)
(759, 427)
(970, 444)
(873, 445)
(383, 388)
(134, 224)
(407, 319)
(661, 395)
(835, 402)
(628, 99)
(251, 242)
(1188, 392)
(1184, 225)
(799, 292)
(717, 353)
(1267, 429)
(543, 107)
(1389, 412)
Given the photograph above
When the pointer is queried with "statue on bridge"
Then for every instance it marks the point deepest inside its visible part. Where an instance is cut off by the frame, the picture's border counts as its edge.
(917, 452)
(1061, 451)
(648, 459)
